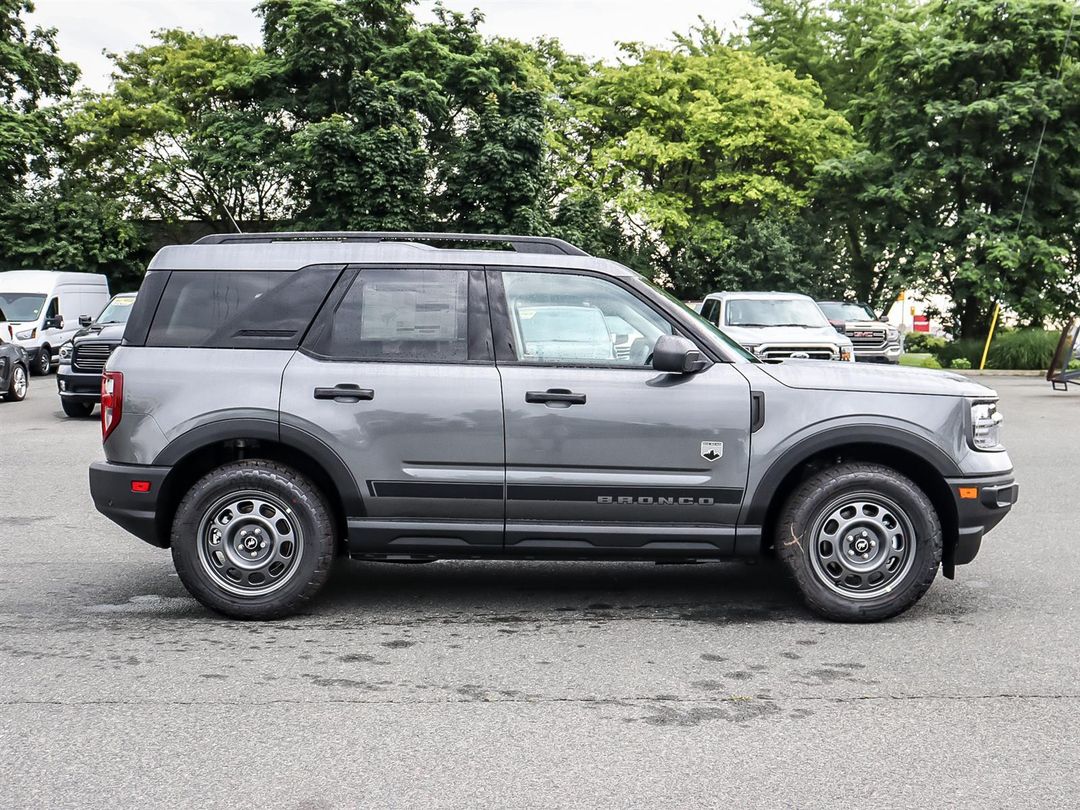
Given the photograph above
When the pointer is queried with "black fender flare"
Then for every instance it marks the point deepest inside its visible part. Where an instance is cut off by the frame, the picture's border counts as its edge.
(269, 430)
(756, 510)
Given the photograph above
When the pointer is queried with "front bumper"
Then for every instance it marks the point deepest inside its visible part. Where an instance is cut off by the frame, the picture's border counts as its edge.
(136, 512)
(981, 504)
(888, 354)
(78, 386)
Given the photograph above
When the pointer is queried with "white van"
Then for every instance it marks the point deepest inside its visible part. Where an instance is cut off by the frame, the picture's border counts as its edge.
(41, 309)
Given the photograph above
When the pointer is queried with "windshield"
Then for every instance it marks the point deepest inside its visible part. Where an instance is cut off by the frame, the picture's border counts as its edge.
(117, 311)
(840, 311)
(773, 312)
(734, 347)
(20, 307)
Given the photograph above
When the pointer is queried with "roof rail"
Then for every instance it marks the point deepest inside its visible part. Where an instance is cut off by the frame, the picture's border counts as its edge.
(522, 244)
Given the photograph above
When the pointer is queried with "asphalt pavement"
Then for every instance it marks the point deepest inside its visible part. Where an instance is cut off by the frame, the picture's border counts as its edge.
(532, 684)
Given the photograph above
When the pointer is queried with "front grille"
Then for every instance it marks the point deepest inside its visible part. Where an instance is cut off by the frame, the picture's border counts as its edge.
(775, 352)
(867, 338)
(91, 357)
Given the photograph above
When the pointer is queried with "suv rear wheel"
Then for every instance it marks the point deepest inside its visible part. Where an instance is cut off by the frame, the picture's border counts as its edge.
(862, 541)
(253, 540)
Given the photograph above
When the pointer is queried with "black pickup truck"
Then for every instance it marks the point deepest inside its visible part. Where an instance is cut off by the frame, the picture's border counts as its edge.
(83, 358)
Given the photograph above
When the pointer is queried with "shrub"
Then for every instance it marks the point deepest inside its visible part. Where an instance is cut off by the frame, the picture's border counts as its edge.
(970, 350)
(1023, 349)
(922, 342)
(960, 362)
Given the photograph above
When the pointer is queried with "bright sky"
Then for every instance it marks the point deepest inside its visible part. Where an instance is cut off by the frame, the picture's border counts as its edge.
(87, 28)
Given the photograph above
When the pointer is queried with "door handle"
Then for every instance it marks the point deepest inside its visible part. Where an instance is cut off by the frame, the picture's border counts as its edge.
(563, 395)
(345, 392)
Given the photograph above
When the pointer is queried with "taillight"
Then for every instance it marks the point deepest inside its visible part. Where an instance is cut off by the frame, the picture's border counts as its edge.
(112, 401)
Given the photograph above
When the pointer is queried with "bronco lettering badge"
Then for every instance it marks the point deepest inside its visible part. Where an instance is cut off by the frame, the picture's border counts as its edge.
(711, 451)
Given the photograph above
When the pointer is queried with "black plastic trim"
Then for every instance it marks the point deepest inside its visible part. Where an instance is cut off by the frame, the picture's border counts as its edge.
(145, 308)
(135, 512)
(435, 489)
(756, 509)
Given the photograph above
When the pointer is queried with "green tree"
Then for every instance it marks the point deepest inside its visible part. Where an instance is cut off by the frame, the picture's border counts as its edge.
(179, 135)
(397, 124)
(696, 143)
(963, 91)
(32, 78)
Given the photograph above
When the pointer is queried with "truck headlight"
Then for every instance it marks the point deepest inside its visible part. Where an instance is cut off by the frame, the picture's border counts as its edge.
(985, 426)
(29, 334)
(891, 335)
(65, 353)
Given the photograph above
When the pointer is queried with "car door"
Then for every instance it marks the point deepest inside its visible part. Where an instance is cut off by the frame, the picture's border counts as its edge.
(604, 454)
(398, 378)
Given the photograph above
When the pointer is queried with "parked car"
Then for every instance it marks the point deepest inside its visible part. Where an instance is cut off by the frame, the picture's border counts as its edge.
(873, 339)
(40, 309)
(777, 326)
(83, 358)
(282, 398)
(14, 372)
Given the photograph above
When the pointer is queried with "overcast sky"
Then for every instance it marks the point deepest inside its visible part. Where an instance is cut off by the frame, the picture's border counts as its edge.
(87, 28)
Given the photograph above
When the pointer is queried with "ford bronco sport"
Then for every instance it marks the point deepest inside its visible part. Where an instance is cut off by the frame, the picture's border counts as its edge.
(280, 399)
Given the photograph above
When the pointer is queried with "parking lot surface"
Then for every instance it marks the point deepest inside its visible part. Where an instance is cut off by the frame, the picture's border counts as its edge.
(531, 684)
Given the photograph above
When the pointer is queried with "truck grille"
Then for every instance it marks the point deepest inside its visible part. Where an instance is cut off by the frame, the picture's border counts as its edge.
(91, 356)
(867, 338)
(774, 352)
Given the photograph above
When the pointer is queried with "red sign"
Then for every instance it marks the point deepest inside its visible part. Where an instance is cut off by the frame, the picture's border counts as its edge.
(920, 323)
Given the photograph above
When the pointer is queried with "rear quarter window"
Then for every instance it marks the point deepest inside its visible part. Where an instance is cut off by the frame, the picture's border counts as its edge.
(239, 309)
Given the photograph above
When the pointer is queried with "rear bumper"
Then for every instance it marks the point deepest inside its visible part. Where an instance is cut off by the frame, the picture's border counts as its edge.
(981, 504)
(136, 512)
(78, 386)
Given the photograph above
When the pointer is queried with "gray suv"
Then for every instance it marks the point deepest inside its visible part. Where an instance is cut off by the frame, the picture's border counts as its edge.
(283, 399)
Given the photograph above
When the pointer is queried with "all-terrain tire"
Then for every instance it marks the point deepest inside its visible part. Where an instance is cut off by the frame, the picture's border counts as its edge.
(828, 524)
(249, 504)
(77, 409)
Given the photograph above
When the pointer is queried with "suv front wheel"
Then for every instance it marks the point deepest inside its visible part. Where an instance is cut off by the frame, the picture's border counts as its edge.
(253, 540)
(862, 541)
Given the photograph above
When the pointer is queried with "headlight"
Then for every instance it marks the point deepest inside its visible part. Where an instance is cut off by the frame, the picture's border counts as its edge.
(985, 426)
(29, 334)
(751, 347)
(891, 334)
(65, 353)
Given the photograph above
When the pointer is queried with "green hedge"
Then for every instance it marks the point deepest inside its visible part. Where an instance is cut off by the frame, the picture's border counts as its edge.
(1011, 350)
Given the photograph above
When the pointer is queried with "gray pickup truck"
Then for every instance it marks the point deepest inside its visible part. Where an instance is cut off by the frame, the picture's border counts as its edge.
(280, 400)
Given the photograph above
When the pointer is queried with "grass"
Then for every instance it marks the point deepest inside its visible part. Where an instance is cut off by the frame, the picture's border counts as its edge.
(919, 360)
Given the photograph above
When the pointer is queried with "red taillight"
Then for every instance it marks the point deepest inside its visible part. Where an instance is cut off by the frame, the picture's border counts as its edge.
(112, 401)
(140, 486)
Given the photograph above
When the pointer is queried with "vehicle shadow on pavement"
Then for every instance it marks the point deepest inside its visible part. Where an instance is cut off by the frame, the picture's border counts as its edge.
(521, 591)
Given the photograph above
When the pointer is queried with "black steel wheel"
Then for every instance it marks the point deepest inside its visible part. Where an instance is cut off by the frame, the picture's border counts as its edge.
(862, 541)
(253, 540)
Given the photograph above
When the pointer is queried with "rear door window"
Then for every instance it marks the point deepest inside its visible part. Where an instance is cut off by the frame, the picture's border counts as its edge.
(240, 309)
(408, 315)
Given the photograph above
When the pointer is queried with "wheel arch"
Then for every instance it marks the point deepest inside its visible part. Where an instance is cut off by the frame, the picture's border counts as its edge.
(926, 464)
(195, 453)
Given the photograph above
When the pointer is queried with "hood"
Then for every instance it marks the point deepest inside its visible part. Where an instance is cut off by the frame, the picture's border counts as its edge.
(113, 333)
(884, 379)
(785, 334)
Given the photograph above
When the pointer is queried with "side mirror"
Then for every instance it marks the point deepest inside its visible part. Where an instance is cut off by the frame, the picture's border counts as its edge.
(677, 355)
(85, 320)
(884, 319)
(56, 322)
